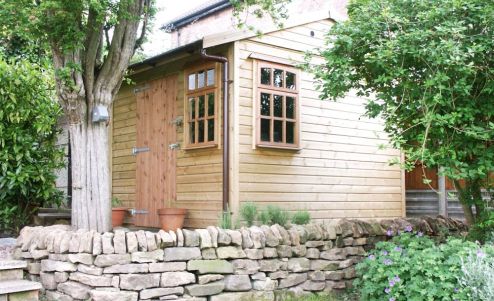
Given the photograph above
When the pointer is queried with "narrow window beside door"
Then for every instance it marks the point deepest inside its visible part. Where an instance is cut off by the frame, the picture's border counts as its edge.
(201, 106)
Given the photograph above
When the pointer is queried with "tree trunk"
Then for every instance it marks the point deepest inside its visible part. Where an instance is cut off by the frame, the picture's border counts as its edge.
(464, 199)
(91, 206)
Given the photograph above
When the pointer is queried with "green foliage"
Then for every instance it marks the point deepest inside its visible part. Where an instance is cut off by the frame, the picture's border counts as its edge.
(301, 218)
(248, 212)
(277, 215)
(483, 230)
(28, 154)
(274, 9)
(265, 218)
(478, 275)
(413, 267)
(429, 68)
(116, 202)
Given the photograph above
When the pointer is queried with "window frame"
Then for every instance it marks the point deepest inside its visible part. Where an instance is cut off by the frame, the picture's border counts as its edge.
(272, 90)
(204, 91)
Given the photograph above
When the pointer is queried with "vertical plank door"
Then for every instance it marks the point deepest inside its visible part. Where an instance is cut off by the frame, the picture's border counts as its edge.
(155, 168)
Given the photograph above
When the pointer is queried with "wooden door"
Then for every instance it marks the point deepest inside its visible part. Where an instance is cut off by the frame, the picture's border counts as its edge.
(155, 168)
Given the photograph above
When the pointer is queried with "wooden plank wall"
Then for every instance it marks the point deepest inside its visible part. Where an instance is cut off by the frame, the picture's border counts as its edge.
(340, 171)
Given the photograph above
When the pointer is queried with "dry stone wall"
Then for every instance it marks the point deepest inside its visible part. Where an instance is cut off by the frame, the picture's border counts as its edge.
(213, 264)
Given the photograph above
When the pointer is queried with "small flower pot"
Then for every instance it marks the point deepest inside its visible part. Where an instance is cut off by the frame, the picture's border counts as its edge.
(171, 218)
(118, 216)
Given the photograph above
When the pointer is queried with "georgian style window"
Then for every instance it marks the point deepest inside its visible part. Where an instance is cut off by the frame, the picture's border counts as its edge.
(201, 106)
(277, 106)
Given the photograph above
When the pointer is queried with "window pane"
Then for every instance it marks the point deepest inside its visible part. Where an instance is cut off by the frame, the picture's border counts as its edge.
(278, 78)
(265, 129)
(192, 108)
(200, 134)
(266, 76)
(192, 132)
(210, 77)
(210, 129)
(201, 106)
(290, 107)
(211, 104)
(290, 80)
(278, 105)
(201, 79)
(265, 104)
(290, 132)
(278, 131)
(192, 81)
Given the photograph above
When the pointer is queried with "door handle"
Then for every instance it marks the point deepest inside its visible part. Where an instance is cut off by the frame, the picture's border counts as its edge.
(136, 150)
(174, 146)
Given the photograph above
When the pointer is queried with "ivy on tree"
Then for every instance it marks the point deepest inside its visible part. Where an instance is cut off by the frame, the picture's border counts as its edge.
(428, 68)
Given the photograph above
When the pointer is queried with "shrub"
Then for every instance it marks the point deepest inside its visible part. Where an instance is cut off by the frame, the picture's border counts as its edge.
(28, 152)
(278, 215)
(478, 274)
(265, 218)
(301, 218)
(413, 267)
(483, 229)
(225, 221)
(248, 212)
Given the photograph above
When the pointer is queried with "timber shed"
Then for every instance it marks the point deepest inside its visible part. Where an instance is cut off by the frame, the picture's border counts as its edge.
(281, 145)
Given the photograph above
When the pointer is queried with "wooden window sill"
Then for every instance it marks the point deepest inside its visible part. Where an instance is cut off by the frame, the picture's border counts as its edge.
(192, 147)
(295, 148)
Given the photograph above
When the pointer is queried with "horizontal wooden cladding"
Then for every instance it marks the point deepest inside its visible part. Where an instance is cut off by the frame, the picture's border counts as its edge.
(318, 180)
(323, 206)
(318, 188)
(303, 198)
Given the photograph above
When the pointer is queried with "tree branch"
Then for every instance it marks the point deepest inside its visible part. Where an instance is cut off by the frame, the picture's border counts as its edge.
(92, 44)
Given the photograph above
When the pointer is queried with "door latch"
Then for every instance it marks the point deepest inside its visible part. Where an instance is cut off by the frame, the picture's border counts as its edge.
(136, 150)
(134, 211)
(174, 146)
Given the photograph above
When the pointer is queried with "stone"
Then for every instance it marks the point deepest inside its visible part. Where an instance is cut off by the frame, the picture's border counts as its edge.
(132, 244)
(352, 251)
(208, 289)
(324, 265)
(331, 230)
(298, 265)
(115, 282)
(34, 268)
(203, 279)
(182, 254)
(191, 238)
(107, 243)
(278, 275)
(90, 280)
(285, 237)
(258, 276)
(257, 236)
(56, 296)
(97, 295)
(230, 252)
(254, 253)
(167, 267)
(151, 256)
(173, 235)
(348, 241)
(160, 292)
(39, 254)
(332, 285)
(270, 253)
(317, 276)
(245, 266)
(334, 254)
(299, 251)
(313, 253)
(350, 273)
(271, 239)
(247, 242)
(74, 289)
(65, 242)
(61, 276)
(271, 265)
(284, 251)
(204, 238)
(209, 253)
(151, 241)
(137, 282)
(294, 237)
(210, 266)
(244, 296)
(292, 280)
(223, 238)
(328, 245)
(361, 241)
(166, 239)
(119, 243)
(106, 260)
(314, 243)
(132, 268)
(83, 258)
(237, 283)
(180, 238)
(48, 281)
(172, 279)
(313, 286)
(314, 232)
(48, 265)
(142, 242)
(236, 237)
(86, 243)
(346, 263)
(58, 257)
(97, 244)
(214, 233)
(265, 285)
(334, 275)
(91, 270)
(301, 233)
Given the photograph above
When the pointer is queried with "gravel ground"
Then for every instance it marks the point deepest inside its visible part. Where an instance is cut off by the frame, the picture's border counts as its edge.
(7, 246)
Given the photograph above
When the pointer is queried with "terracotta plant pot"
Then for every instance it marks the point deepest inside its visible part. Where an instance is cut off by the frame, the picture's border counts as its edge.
(171, 218)
(118, 215)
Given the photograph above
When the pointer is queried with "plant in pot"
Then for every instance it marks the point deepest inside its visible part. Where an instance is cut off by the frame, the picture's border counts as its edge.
(118, 212)
(171, 218)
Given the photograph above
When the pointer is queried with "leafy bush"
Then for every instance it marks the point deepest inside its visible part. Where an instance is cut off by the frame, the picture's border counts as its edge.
(28, 154)
(413, 267)
(301, 218)
(277, 215)
(483, 229)
(478, 274)
(265, 218)
(248, 212)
